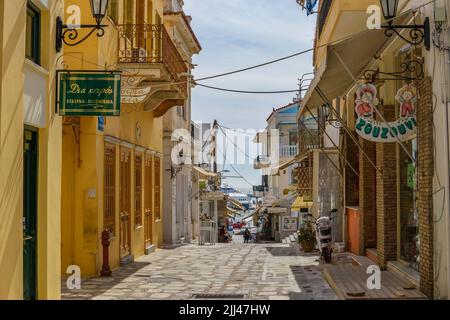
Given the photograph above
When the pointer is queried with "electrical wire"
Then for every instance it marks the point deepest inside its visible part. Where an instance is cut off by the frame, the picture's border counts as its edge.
(234, 144)
(272, 61)
(237, 172)
(245, 91)
(256, 66)
(312, 49)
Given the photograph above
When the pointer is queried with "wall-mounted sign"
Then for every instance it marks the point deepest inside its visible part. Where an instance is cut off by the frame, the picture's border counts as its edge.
(89, 93)
(404, 127)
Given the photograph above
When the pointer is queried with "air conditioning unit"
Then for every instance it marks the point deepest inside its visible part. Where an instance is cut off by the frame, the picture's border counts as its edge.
(138, 55)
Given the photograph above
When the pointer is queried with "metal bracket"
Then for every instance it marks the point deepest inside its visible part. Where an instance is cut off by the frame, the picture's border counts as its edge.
(411, 67)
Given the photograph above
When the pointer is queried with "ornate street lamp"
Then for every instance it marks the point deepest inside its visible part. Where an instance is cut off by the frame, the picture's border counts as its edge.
(389, 8)
(418, 33)
(69, 34)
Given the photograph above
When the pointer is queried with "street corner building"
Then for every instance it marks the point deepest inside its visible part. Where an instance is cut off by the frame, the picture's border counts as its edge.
(84, 128)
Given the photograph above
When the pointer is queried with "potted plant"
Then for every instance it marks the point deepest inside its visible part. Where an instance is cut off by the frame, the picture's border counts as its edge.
(307, 236)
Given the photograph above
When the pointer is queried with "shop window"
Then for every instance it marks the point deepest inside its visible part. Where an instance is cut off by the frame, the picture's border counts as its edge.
(157, 186)
(109, 193)
(138, 190)
(33, 33)
(113, 10)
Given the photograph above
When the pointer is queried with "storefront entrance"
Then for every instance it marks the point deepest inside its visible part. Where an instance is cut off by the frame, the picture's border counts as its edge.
(30, 170)
(408, 215)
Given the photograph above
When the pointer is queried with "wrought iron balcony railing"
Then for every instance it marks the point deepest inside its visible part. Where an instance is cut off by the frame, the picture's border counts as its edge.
(150, 43)
(309, 140)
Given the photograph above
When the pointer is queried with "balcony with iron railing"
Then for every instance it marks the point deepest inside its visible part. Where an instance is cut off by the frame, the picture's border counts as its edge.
(309, 140)
(150, 44)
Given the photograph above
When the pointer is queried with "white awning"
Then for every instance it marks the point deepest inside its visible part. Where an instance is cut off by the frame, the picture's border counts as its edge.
(331, 77)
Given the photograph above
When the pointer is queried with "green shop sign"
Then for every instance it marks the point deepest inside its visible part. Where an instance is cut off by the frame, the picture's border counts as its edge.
(84, 93)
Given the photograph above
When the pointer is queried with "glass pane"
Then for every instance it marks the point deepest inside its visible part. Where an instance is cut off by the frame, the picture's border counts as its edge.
(29, 37)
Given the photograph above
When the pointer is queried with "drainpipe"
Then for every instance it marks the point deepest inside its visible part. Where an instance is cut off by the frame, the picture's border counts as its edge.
(447, 151)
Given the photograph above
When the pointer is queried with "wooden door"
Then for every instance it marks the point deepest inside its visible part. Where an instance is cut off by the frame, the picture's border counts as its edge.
(157, 187)
(138, 190)
(148, 211)
(125, 203)
(30, 171)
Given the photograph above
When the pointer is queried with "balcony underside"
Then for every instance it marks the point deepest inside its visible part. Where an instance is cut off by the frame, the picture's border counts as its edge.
(164, 93)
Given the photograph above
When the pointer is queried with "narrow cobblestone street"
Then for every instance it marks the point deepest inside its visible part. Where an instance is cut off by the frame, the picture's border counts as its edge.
(257, 271)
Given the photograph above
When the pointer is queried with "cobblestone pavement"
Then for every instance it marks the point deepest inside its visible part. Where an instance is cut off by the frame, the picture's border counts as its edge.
(258, 271)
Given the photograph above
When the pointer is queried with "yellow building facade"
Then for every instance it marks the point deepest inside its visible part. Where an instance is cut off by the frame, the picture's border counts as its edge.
(30, 151)
(112, 166)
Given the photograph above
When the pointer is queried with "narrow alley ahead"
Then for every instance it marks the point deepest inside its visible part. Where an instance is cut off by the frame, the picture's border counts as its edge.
(255, 271)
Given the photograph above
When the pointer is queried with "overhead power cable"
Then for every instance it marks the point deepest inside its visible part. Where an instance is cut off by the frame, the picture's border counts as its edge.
(237, 172)
(256, 66)
(312, 49)
(245, 91)
(233, 143)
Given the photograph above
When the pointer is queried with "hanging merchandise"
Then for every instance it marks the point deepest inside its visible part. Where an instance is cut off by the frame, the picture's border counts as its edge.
(370, 129)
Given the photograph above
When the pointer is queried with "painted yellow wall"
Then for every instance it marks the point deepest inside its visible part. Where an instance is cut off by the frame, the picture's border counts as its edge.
(82, 217)
(12, 30)
(12, 61)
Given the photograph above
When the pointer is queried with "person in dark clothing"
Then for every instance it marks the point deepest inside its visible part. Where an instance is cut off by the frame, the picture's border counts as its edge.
(247, 235)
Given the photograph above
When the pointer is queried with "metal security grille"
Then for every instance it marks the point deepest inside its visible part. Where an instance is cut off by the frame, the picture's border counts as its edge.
(305, 177)
(157, 188)
(138, 190)
(148, 226)
(109, 214)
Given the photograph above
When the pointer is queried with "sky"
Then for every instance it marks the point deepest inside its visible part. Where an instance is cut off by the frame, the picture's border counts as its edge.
(235, 34)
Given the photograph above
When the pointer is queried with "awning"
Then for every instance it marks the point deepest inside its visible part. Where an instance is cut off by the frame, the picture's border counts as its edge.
(276, 210)
(253, 213)
(232, 211)
(286, 164)
(204, 173)
(235, 202)
(287, 200)
(331, 77)
(300, 203)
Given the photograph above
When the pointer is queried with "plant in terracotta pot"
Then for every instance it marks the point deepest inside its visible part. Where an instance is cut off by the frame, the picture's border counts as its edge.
(307, 236)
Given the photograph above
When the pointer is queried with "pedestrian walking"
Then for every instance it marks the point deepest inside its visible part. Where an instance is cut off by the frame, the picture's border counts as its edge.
(247, 235)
